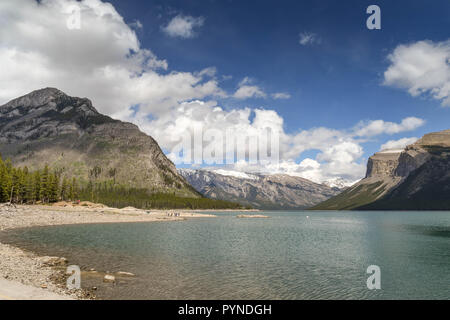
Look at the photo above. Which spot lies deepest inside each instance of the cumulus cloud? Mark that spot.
(340, 155)
(421, 68)
(183, 26)
(377, 127)
(398, 144)
(308, 38)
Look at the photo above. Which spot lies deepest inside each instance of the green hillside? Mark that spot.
(22, 186)
(353, 197)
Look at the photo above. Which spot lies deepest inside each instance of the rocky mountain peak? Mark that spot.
(34, 99)
(47, 112)
(44, 100)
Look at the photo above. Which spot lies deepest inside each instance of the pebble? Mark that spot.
(109, 278)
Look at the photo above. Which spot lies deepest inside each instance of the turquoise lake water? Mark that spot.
(288, 256)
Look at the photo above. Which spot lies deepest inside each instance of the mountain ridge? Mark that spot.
(262, 191)
(417, 177)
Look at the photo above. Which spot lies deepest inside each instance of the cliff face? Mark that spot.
(382, 164)
(414, 178)
(69, 134)
(259, 191)
(411, 159)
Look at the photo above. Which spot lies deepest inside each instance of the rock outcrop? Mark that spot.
(383, 164)
(416, 178)
(276, 191)
(441, 138)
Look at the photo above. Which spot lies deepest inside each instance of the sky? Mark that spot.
(335, 91)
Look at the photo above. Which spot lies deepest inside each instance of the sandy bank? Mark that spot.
(24, 271)
(31, 216)
(252, 216)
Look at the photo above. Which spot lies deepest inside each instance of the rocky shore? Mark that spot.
(48, 273)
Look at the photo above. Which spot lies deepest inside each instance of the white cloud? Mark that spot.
(183, 26)
(136, 24)
(281, 95)
(246, 81)
(340, 155)
(421, 68)
(308, 38)
(377, 127)
(247, 90)
(398, 144)
(309, 169)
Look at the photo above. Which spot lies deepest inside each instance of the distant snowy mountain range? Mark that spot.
(263, 191)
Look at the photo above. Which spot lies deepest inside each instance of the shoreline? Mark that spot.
(29, 271)
(24, 216)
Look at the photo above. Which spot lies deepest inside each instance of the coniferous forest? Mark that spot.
(23, 186)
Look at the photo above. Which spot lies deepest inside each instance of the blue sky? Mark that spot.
(311, 69)
(334, 83)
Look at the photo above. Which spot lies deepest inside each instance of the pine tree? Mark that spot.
(30, 191)
(53, 188)
(21, 185)
(4, 181)
(37, 186)
(76, 189)
(65, 189)
(15, 187)
(45, 185)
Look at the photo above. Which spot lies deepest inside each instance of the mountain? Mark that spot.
(416, 178)
(67, 133)
(276, 191)
(339, 183)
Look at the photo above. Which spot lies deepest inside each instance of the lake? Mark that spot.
(291, 255)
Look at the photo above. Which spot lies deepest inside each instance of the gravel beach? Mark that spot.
(48, 273)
